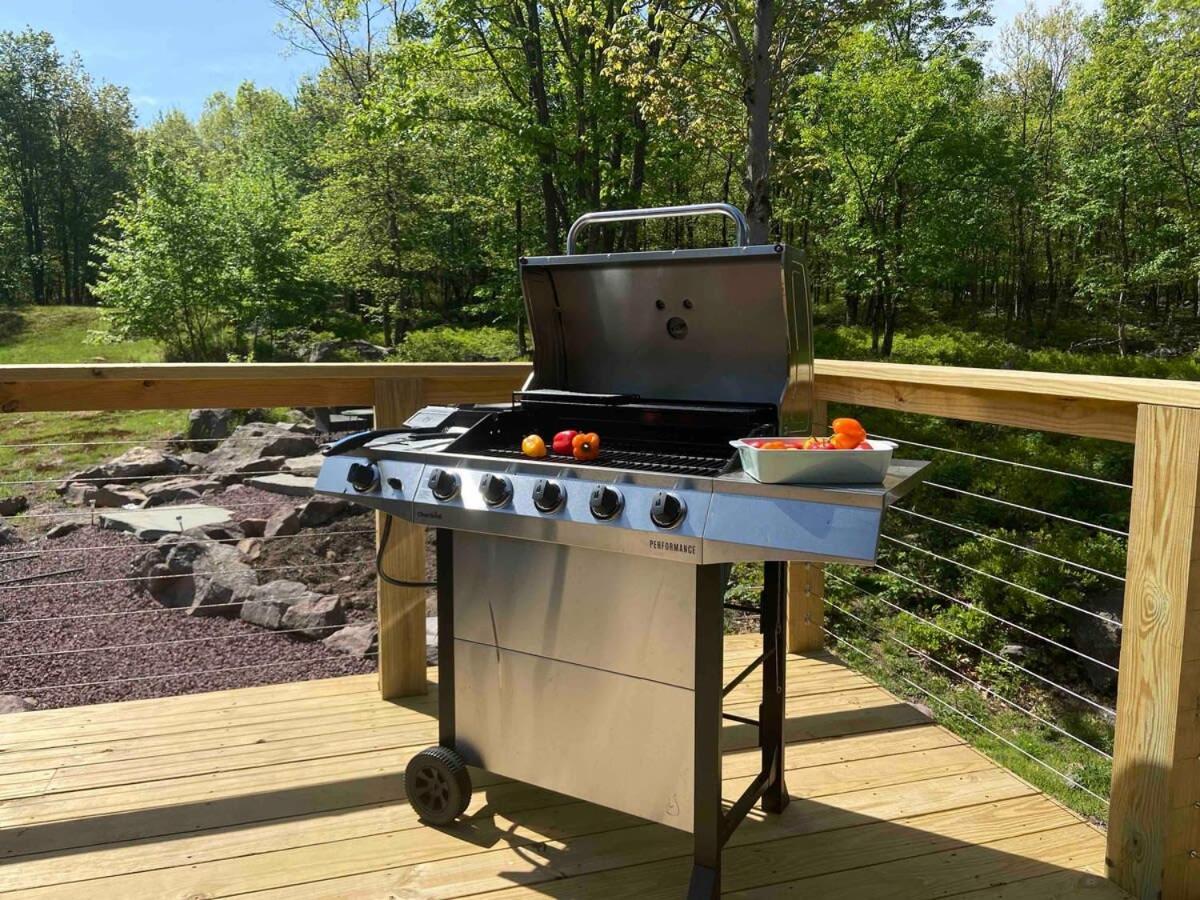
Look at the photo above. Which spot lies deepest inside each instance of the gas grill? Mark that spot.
(581, 603)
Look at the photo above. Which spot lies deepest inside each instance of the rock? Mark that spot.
(228, 532)
(1014, 651)
(240, 471)
(271, 601)
(210, 579)
(284, 483)
(11, 703)
(258, 447)
(250, 548)
(253, 528)
(133, 465)
(152, 524)
(172, 490)
(322, 511)
(62, 529)
(336, 349)
(13, 506)
(431, 640)
(206, 427)
(8, 535)
(315, 616)
(302, 420)
(1099, 638)
(282, 522)
(309, 466)
(108, 496)
(358, 641)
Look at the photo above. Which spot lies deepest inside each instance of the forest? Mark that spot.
(1041, 193)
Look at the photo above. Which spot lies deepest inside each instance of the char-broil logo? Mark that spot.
(429, 514)
(672, 546)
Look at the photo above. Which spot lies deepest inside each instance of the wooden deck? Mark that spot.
(297, 790)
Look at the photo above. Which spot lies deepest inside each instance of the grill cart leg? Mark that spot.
(713, 826)
(709, 822)
(772, 713)
(436, 780)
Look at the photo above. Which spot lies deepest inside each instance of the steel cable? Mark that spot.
(954, 709)
(1028, 509)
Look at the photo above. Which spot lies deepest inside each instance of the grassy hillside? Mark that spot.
(39, 448)
(58, 334)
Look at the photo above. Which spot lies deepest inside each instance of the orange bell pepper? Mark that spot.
(585, 446)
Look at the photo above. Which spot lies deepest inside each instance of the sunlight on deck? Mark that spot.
(297, 790)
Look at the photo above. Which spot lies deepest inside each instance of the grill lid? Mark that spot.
(725, 324)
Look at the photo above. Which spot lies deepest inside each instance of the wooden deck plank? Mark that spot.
(51, 868)
(296, 791)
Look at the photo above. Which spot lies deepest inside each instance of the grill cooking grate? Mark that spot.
(624, 457)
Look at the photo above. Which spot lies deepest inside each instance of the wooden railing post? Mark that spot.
(401, 610)
(806, 581)
(1154, 821)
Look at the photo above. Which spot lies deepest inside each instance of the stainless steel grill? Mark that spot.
(580, 603)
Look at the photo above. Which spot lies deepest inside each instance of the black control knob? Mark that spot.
(548, 495)
(363, 477)
(496, 489)
(667, 510)
(443, 484)
(605, 502)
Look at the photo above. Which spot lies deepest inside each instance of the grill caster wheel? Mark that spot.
(438, 785)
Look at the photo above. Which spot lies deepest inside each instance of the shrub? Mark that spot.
(449, 344)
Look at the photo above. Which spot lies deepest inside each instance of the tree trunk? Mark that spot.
(758, 105)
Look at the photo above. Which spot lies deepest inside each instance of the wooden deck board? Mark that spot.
(296, 791)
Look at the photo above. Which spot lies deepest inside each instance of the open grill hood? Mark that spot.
(729, 324)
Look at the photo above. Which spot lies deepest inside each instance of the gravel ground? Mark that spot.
(108, 611)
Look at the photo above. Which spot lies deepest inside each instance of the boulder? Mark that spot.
(187, 571)
(272, 600)
(322, 511)
(250, 548)
(172, 490)
(11, 703)
(228, 532)
(107, 496)
(308, 466)
(258, 447)
(14, 505)
(62, 529)
(133, 465)
(206, 427)
(315, 616)
(358, 641)
(1099, 638)
(284, 483)
(8, 535)
(282, 522)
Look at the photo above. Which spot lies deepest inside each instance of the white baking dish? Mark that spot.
(815, 466)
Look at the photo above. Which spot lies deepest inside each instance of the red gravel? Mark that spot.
(31, 667)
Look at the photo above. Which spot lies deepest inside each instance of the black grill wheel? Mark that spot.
(438, 785)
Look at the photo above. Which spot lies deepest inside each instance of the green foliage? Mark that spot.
(448, 344)
(39, 335)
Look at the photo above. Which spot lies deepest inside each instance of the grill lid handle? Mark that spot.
(661, 212)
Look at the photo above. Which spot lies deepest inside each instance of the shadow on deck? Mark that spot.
(297, 790)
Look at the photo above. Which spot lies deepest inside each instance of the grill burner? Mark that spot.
(623, 456)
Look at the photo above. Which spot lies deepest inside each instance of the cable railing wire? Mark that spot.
(1028, 509)
(954, 709)
(1031, 591)
(991, 615)
(247, 635)
(136, 578)
(991, 653)
(1008, 462)
(979, 686)
(134, 678)
(1015, 546)
(48, 551)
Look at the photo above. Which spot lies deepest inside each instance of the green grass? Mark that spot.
(58, 334)
(39, 335)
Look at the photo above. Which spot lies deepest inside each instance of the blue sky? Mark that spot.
(174, 53)
(169, 53)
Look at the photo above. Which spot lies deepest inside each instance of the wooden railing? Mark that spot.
(1154, 822)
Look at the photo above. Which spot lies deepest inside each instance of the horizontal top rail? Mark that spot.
(1098, 406)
